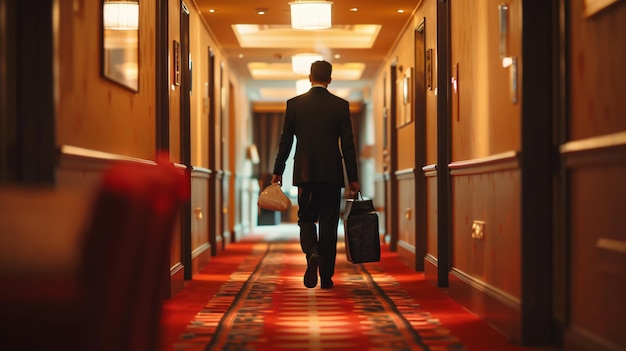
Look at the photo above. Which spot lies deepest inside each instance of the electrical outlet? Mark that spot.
(478, 230)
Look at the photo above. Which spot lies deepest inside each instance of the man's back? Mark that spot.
(318, 119)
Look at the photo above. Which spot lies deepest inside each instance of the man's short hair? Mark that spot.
(321, 71)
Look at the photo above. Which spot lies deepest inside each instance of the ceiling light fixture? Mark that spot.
(121, 15)
(301, 63)
(310, 14)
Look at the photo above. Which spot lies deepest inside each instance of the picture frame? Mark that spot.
(120, 43)
(429, 69)
(176, 62)
(406, 87)
(406, 98)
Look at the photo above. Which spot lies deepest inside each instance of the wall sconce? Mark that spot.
(310, 14)
(252, 154)
(509, 62)
(121, 15)
(301, 63)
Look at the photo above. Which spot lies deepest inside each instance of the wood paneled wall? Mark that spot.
(406, 217)
(96, 114)
(486, 189)
(485, 138)
(80, 170)
(200, 243)
(594, 156)
(486, 274)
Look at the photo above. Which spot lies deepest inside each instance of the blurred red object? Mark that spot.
(113, 300)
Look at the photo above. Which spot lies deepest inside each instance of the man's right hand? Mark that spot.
(277, 179)
(355, 188)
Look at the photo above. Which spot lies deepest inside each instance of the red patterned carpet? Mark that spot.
(252, 298)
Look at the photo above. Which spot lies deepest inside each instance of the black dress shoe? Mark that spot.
(327, 284)
(310, 276)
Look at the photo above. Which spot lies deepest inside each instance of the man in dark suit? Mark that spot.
(320, 121)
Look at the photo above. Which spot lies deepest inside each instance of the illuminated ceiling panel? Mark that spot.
(360, 36)
(282, 94)
(283, 71)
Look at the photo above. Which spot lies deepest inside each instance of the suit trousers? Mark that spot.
(319, 202)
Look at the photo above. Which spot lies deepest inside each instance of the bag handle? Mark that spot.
(358, 197)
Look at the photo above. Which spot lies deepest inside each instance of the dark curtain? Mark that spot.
(267, 127)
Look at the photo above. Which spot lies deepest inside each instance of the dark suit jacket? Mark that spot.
(320, 121)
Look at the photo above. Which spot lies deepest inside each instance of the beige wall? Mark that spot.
(200, 41)
(404, 54)
(93, 112)
(488, 123)
(173, 19)
(428, 10)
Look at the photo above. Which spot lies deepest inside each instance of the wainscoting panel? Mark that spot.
(379, 204)
(430, 259)
(81, 170)
(597, 273)
(216, 219)
(406, 217)
(486, 237)
(200, 245)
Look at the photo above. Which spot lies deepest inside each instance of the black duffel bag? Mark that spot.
(362, 238)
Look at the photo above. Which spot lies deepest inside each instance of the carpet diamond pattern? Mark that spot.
(264, 306)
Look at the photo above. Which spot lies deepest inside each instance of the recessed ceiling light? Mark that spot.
(211, 10)
(240, 56)
(337, 56)
(354, 9)
(401, 11)
(260, 11)
(311, 14)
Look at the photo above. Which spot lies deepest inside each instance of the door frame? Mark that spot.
(444, 139)
(185, 134)
(419, 123)
(28, 138)
(538, 169)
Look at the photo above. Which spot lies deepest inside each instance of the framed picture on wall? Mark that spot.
(594, 6)
(429, 69)
(120, 43)
(176, 68)
(407, 97)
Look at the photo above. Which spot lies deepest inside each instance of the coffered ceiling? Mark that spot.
(260, 46)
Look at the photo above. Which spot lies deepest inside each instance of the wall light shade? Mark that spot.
(310, 14)
(121, 15)
(301, 63)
